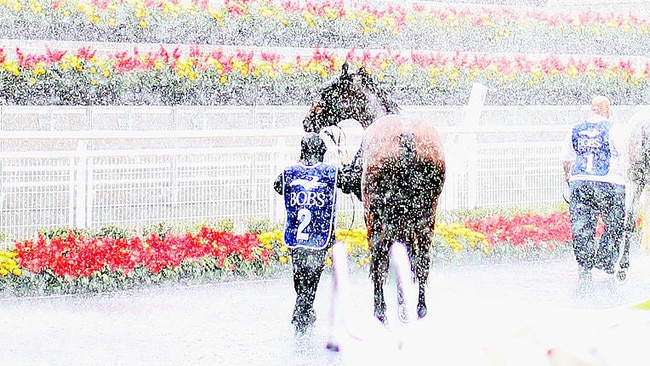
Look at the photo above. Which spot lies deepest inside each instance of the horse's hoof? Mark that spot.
(403, 313)
(333, 347)
(381, 318)
(422, 311)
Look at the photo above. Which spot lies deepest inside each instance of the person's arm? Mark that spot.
(350, 176)
(567, 156)
(278, 185)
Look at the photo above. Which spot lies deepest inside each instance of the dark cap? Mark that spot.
(312, 147)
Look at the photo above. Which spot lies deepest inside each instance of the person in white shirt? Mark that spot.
(594, 167)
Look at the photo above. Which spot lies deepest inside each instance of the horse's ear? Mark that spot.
(344, 69)
(362, 71)
(361, 75)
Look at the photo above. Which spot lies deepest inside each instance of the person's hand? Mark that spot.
(567, 170)
(345, 158)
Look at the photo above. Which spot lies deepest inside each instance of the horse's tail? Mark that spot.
(407, 147)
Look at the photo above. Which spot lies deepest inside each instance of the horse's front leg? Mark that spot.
(380, 302)
(422, 306)
(379, 267)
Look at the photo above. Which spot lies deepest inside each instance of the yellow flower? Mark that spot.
(8, 264)
(309, 18)
(39, 69)
(536, 72)
(265, 11)
(405, 69)
(35, 6)
(71, 62)
(11, 67)
(8, 254)
(453, 73)
(15, 5)
(283, 259)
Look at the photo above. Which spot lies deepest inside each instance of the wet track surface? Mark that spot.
(248, 322)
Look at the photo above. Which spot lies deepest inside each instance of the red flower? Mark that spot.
(84, 53)
(524, 229)
(77, 256)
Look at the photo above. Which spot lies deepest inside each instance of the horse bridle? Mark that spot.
(336, 141)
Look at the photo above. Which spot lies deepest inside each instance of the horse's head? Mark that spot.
(350, 96)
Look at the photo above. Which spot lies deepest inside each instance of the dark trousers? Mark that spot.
(589, 201)
(308, 266)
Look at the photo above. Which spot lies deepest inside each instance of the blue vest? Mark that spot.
(591, 144)
(310, 200)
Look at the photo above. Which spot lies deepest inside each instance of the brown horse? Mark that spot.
(638, 176)
(401, 170)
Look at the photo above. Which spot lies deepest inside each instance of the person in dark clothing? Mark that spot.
(309, 190)
(593, 160)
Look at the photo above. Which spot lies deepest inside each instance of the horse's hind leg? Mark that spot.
(422, 262)
(379, 278)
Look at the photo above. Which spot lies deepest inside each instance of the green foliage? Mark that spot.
(225, 225)
(160, 228)
(259, 225)
(349, 221)
(114, 232)
(462, 215)
(62, 232)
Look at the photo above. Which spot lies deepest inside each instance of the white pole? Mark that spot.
(82, 185)
(469, 141)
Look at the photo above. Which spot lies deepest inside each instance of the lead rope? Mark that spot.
(337, 143)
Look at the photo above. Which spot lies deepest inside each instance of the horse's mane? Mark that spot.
(386, 100)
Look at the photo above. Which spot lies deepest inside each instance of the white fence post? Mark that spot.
(277, 204)
(471, 123)
(81, 209)
(2, 195)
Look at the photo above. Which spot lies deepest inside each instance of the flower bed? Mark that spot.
(169, 77)
(327, 24)
(76, 263)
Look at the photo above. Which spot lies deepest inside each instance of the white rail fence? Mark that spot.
(133, 167)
